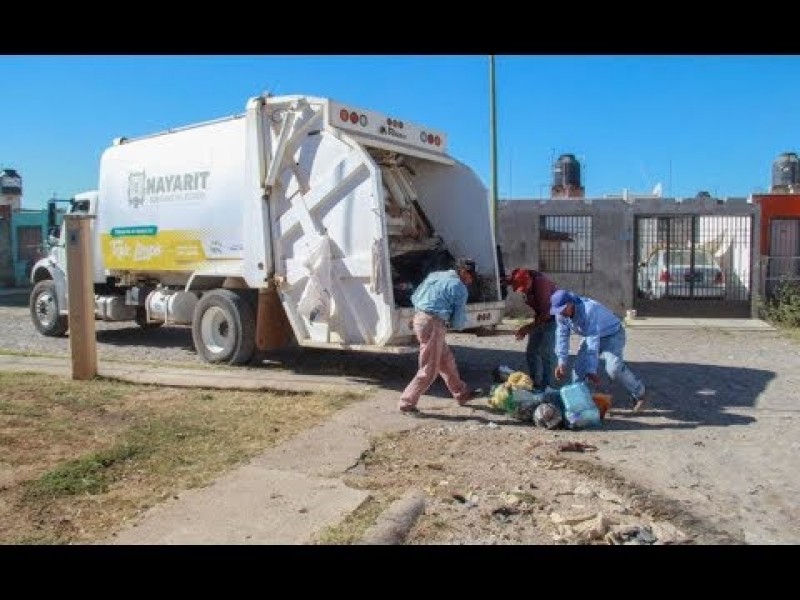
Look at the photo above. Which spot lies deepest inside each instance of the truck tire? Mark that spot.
(224, 328)
(45, 310)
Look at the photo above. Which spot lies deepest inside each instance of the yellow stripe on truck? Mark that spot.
(173, 250)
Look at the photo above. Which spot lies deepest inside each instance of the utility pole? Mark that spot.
(493, 136)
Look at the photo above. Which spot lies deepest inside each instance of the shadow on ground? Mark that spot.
(682, 395)
(133, 335)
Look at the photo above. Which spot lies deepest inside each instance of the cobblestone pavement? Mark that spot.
(721, 436)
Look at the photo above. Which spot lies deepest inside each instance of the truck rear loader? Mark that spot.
(301, 221)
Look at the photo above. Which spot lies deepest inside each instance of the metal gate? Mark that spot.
(694, 266)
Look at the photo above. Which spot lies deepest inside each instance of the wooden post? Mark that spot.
(80, 296)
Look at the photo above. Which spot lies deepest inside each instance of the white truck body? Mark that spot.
(339, 210)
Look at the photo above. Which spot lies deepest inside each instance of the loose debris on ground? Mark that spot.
(504, 482)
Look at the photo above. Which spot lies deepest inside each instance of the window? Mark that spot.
(565, 244)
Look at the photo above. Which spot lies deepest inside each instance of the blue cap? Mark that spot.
(559, 300)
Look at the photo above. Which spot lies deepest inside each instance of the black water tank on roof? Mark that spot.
(10, 182)
(786, 170)
(567, 171)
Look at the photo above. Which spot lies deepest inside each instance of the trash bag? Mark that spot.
(547, 415)
(603, 402)
(524, 404)
(580, 411)
(500, 396)
(520, 380)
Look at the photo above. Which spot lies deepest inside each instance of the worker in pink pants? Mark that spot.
(439, 301)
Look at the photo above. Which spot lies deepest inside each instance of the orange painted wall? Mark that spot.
(775, 206)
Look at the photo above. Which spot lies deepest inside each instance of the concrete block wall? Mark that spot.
(612, 277)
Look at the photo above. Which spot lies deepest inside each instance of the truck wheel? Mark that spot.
(224, 328)
(141, 320)
(45, 310)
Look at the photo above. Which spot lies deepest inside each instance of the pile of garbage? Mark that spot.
(572, 406)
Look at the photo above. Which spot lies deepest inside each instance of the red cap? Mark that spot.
(520, 280)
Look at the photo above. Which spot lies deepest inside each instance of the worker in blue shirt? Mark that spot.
(439, 302)
(604, 337)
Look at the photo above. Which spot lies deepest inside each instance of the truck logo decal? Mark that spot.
(163, 189)
(136, 189)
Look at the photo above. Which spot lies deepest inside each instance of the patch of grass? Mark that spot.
(10, 408)
(355, 525)
(78, 398)
(88, 475)
(82, 457)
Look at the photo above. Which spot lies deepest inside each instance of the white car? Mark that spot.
(669, 273)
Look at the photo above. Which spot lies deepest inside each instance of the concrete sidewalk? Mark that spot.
(755, 325)
(241, 378)
(284, 496)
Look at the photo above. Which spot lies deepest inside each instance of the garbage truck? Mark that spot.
(303, 221)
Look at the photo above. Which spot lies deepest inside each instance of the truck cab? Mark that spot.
(48, 300)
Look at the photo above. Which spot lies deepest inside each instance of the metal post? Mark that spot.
(80, 295)
(493, 136)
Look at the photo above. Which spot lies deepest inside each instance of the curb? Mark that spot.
(395, 523)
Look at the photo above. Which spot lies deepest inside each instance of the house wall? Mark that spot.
(775, 206)
(25, 218)
(612, 276)
(785, 264)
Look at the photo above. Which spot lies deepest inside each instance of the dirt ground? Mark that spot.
(714, 460)
(506, 482)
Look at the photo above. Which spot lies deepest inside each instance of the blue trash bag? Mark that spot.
(580, 411)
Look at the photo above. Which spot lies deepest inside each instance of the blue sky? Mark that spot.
(693, 123)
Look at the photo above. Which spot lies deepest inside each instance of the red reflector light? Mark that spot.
(437, 140)
(344, 114)
(354, 117)
(430, 138)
